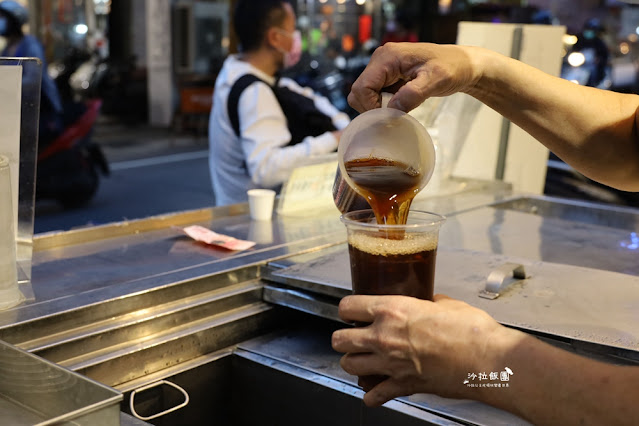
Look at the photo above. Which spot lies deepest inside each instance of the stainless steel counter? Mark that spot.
(130, 303)
(550, 230)
(86, 266)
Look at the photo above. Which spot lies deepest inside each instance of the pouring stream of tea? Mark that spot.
(388, 186)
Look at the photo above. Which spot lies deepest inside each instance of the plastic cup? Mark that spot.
(393, 259)
(261, 203)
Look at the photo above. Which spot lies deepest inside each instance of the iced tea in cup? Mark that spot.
(393, 259)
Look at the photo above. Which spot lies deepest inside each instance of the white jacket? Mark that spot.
(261, 157)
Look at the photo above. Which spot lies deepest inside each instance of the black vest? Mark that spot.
(303, 119)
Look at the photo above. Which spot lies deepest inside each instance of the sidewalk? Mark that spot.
(124, 143)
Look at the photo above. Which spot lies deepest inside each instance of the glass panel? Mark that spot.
(26, 162)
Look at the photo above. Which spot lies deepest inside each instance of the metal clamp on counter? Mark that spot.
(498, 280)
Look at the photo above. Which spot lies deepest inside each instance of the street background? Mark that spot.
(153, 63)
(153, 171)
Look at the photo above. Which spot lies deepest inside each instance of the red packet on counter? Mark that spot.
(200, 233)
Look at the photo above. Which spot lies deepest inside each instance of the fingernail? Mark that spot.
(335, 339)
(396, 103)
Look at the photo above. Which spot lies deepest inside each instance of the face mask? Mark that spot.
(4, 26)
(292, 57)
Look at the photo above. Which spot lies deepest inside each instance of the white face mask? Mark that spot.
(292, 57)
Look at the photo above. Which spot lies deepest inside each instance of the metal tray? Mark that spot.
(34, 391)
(591, 307)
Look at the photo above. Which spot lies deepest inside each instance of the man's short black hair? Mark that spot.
(253, 18)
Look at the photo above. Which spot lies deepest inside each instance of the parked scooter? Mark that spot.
(69, 165)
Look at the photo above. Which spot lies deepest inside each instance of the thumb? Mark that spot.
(409, 96)
(428, 81)
(413, 93)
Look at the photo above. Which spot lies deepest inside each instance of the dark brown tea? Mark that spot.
(389, 187)
(388, 266)
(389, 261)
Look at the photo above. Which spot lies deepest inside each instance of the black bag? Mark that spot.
(302, 116)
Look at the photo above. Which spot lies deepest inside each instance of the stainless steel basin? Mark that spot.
(245, 388)
(288, 377)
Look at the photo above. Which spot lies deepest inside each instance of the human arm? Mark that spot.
(593, 130)
(431, 347)
(265, 138)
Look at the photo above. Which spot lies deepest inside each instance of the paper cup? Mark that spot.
(261, 203)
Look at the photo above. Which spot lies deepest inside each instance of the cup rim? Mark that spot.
(438, 220)
(260, 192)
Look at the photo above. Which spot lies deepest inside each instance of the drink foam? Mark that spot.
(382, 246)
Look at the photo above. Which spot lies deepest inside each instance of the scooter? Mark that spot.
(69, 165)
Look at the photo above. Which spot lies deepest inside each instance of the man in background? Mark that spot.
(262, 127)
